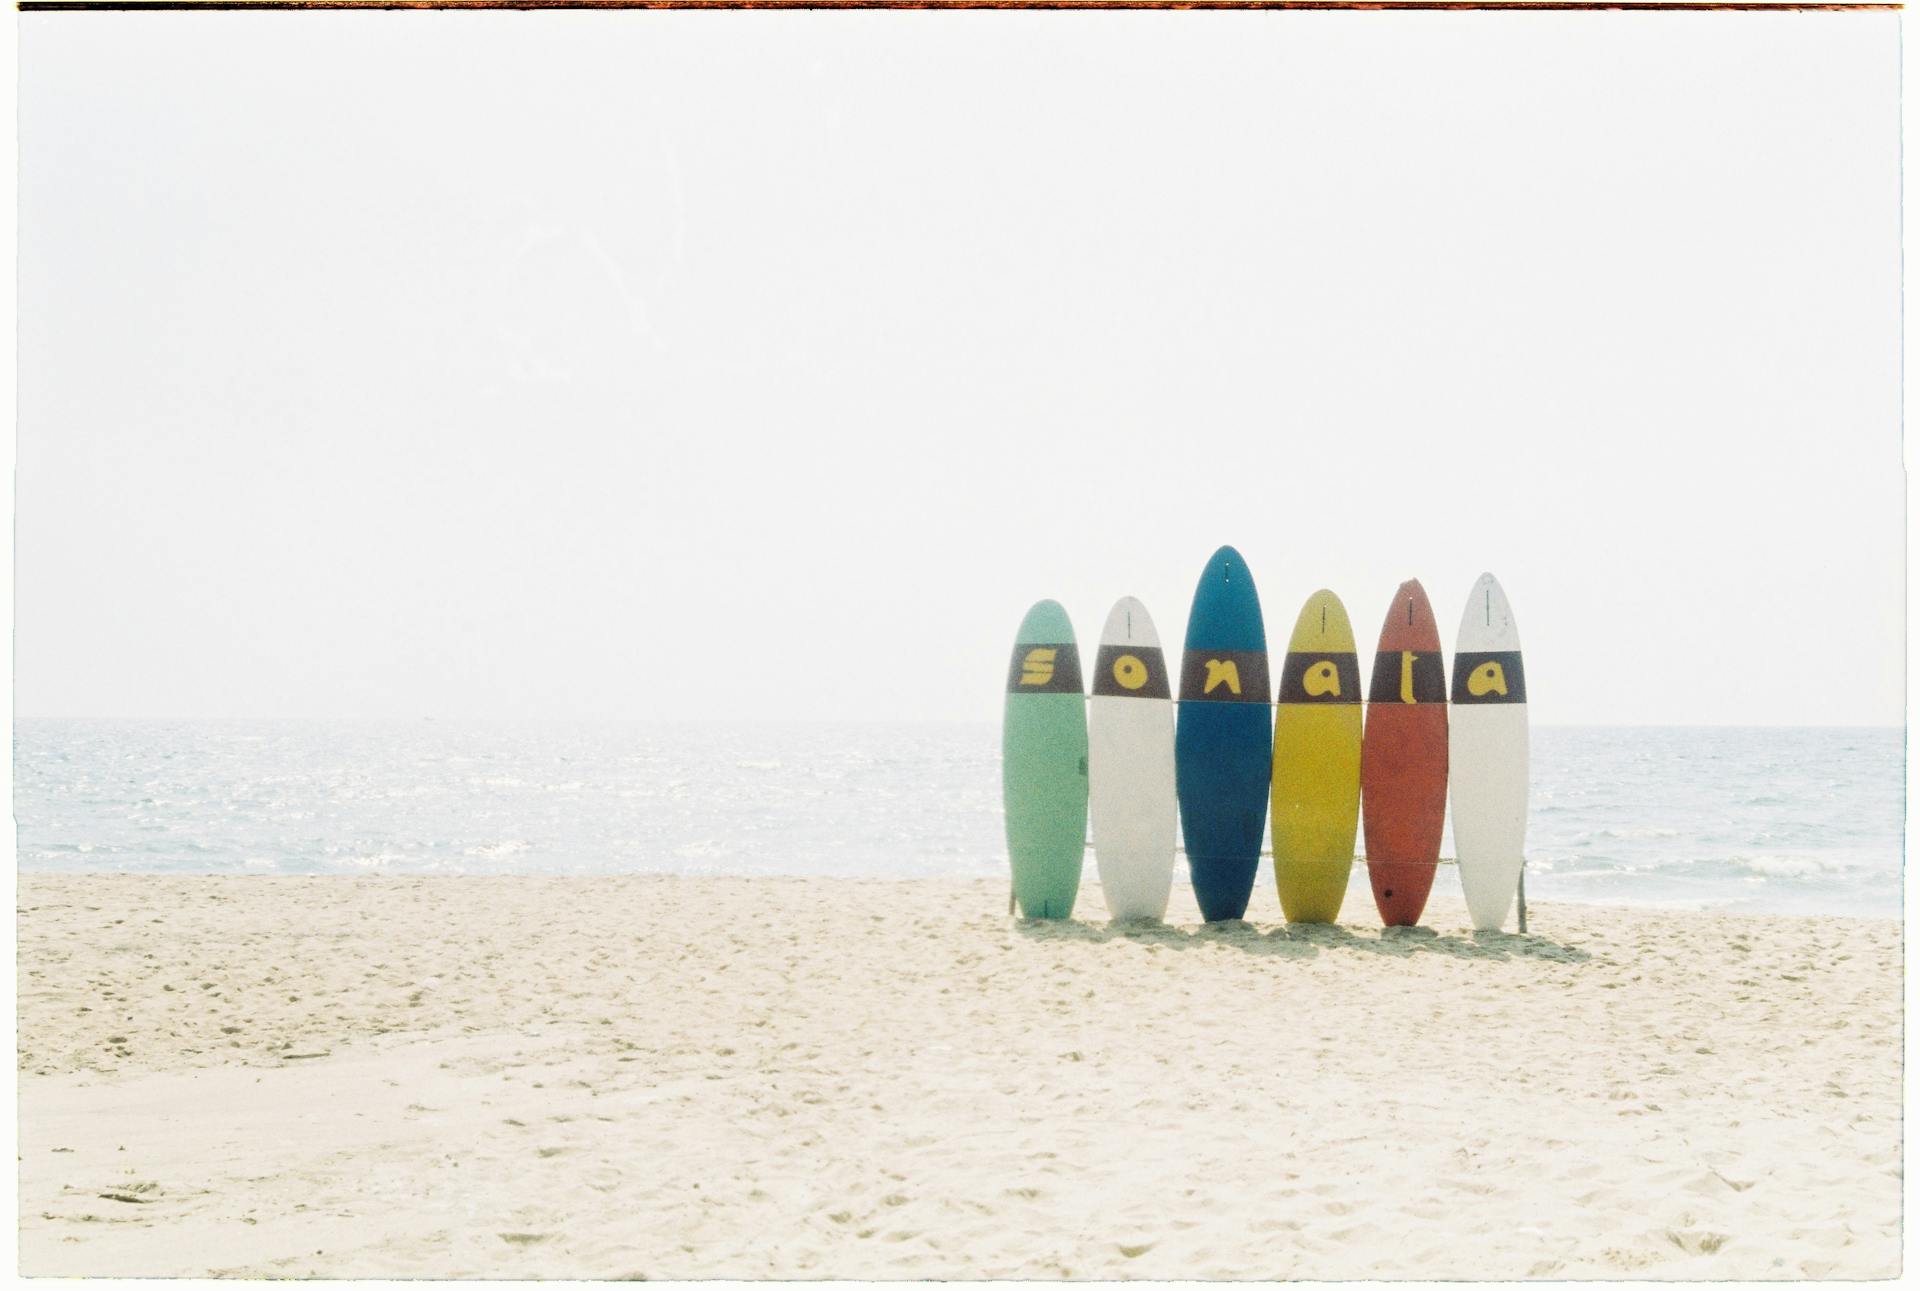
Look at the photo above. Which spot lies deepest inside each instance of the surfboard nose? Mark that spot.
(1410, 624)
(1226, 564)
(1226, 606)
(1046, 621)
(1486, 621)
(1322, 624)
(1128, 622)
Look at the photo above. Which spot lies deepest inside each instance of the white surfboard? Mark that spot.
(1130, 784)
(1487, 754)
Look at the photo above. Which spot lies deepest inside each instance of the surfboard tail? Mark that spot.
(1400, 890)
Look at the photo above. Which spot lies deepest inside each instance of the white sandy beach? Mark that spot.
(621, 1077)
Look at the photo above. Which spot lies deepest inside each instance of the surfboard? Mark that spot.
(1043, 764)
(1403, 759)
(1316, 763)
(1223, 741)
(1487, 754)
(1130, 765)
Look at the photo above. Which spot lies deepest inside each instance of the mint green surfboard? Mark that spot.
(1043, 764)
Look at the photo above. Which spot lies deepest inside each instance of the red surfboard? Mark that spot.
(1403, 758)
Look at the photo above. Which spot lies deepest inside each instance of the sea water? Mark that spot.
(1760, 819)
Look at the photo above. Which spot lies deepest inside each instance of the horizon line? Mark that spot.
(1368, 6)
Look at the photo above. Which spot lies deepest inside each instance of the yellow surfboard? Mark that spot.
(1316, 763)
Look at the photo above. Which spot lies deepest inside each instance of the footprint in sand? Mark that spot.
(136, 1194)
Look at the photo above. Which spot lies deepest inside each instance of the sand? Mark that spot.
(657, 1077)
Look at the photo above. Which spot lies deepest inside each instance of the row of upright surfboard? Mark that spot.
(1321, 766)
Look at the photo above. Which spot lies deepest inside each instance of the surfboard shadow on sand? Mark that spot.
(1305, 940)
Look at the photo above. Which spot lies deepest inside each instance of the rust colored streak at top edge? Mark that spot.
(1371, 6)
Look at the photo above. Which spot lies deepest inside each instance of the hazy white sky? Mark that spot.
(734, 365)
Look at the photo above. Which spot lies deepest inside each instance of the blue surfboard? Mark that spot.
(1223, 745)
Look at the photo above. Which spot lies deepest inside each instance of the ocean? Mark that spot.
(1772, 819)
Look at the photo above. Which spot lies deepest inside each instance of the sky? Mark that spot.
(734, 366)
